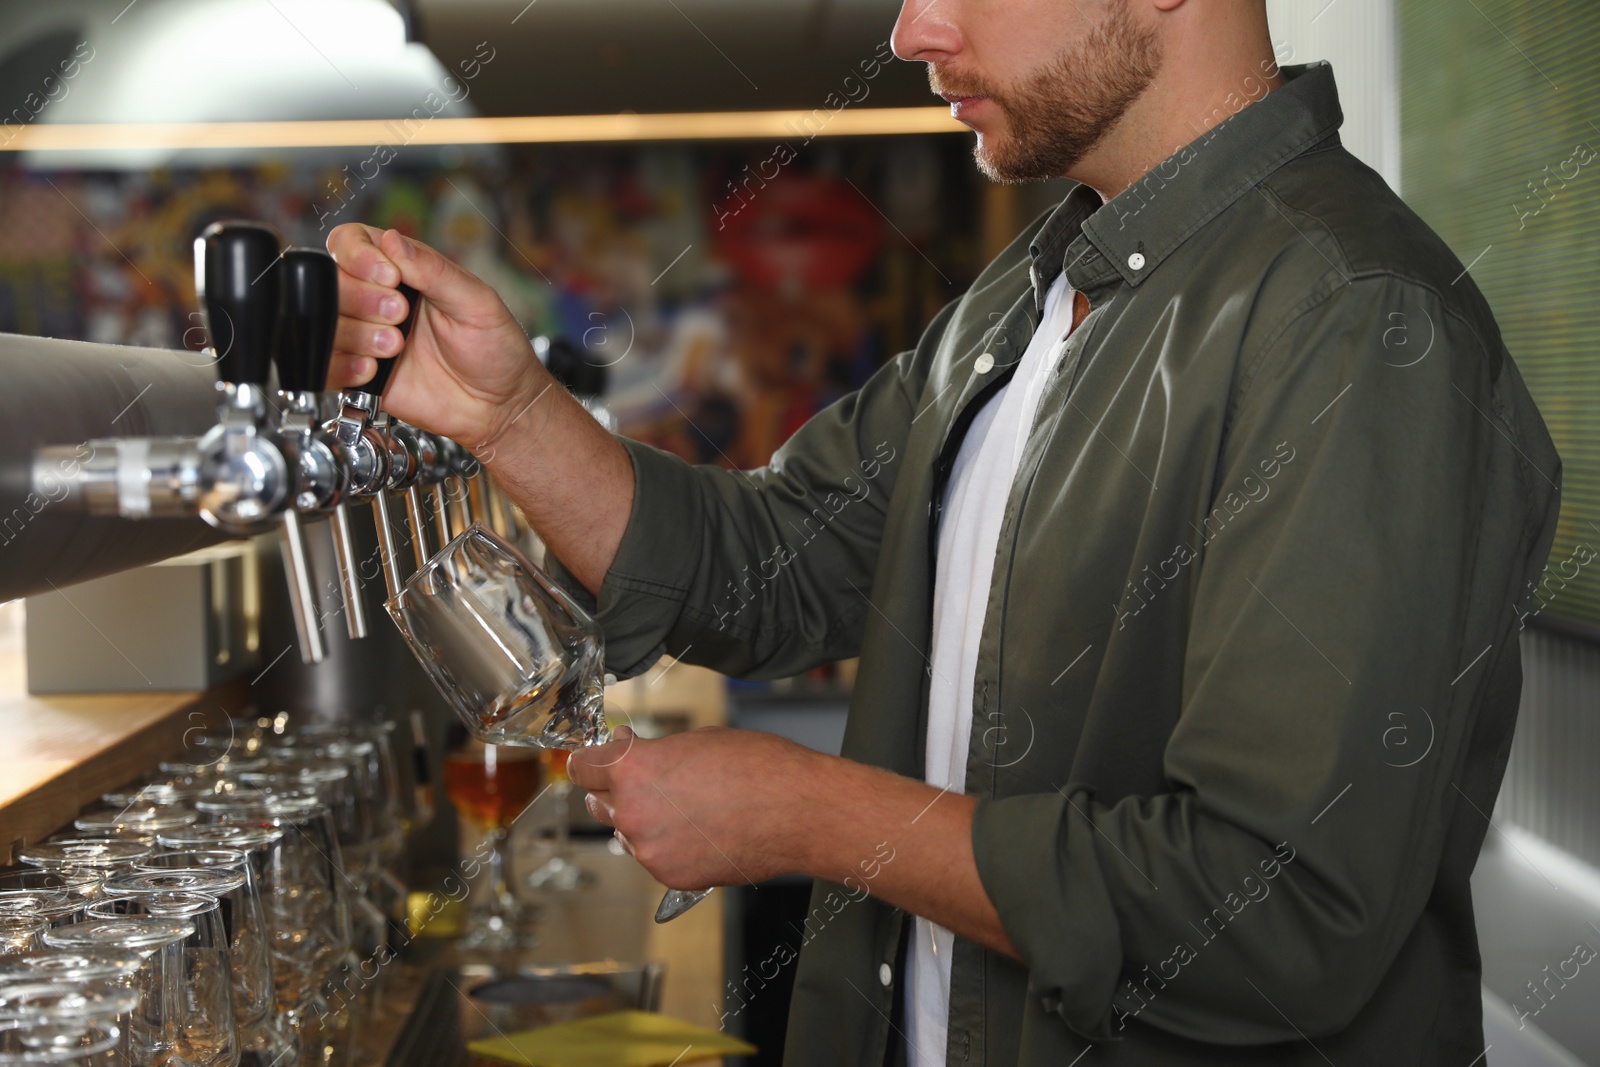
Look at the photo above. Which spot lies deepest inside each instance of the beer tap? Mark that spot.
(371, 452)
(419, 467)
(460, 467)
(237, 271)
(243, 478)
(235, 476)
(319, 481)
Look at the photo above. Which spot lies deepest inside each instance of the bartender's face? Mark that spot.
(1040, 81)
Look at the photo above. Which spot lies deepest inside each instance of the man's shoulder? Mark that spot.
(1342, 222)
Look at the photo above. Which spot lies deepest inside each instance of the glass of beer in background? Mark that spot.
(491, 785)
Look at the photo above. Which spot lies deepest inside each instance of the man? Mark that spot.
(1181, 555)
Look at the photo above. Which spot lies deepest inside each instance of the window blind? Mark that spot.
(1500, 153)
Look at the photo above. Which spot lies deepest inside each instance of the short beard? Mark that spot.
(1057, 116)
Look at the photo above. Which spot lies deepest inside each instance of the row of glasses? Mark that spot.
(268, 813)
(192, 920)
(64, 877)
(145, 1030)
(195, 921)
(182, 915)
(305, 892)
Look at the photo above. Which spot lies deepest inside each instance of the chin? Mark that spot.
(987, 152)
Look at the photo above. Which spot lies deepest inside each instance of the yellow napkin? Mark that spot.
(616, 1039)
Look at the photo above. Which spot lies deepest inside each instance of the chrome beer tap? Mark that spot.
(371, 452)
(462, 479)
(242, 477)
(236, 476)
(240, 286)
(420, 467)
(319, 479)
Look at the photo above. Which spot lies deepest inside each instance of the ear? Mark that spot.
(1167, 5)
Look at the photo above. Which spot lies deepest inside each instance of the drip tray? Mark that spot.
(464, 1003)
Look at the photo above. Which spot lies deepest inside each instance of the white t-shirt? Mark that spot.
(969, 533)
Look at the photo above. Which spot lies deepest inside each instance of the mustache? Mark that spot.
(954, 84)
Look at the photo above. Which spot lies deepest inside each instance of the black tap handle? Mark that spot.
(380, 379)
(238, 283)
(309, 319)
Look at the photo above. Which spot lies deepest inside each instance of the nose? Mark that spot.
(926, 31)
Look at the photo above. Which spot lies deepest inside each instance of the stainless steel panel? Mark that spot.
(67, 392)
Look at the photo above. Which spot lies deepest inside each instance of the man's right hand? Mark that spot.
(468, 369)
(470, 374)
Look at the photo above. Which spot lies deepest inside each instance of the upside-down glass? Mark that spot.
(140, 936)
(517, 659)
(368, 749)
(248, 946)
(305, 889)
(145, 822)
(21, 923)
(63, 892)
(112, 968)
(294, 772)
(85, 854)
(60, 1022)
(255, 843)
(104, 977)
(185, 1016)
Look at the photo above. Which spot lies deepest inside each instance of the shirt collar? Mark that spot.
(1133, 233)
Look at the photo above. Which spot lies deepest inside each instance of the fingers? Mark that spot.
(599, 806)
(366, 338)
(354, 246)
(447, 286)
(590, 768)
(348, 370)
(369, 306)
(368, 302)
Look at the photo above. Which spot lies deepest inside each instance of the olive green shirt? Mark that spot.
(1249, 668)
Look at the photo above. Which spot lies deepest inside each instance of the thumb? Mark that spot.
(448, 287)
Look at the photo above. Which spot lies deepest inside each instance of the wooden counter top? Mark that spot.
(58, 754)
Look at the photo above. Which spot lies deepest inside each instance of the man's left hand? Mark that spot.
(705, 808)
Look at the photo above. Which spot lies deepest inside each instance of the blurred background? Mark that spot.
(740, 210)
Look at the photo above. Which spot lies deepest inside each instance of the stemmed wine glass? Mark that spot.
(517, 659)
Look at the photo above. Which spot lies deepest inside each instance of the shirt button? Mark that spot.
(984, 363)
(885, 974)
(1136, 261)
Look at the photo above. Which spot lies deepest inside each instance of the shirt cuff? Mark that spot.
(643, 593)
(1037, 859)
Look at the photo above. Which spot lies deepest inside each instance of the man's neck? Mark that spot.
(1183, 104)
